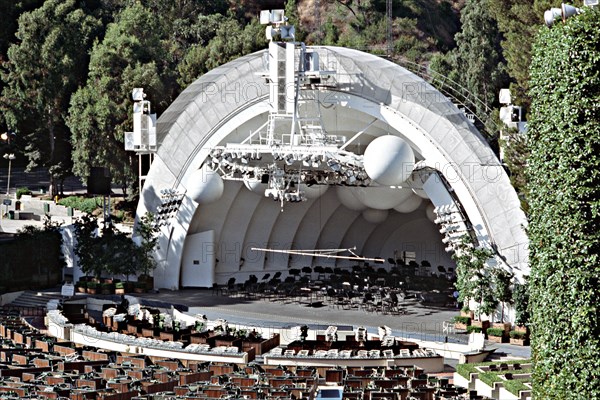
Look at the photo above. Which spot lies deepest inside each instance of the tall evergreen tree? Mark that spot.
(475, 69)
(132, 54)
(10, 11)
(479, 58)
(519, 21)
(44, 67)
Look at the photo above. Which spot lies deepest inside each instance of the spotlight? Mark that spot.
(289, 159)
(315, 161)
(334, 165)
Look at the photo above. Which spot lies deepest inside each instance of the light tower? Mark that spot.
(9, 157)
(143, 138)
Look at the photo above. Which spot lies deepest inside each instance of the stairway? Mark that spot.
(35, 299)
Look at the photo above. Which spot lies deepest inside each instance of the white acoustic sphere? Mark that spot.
(410, 204)
(417, 178)
(314, 191)
(389, 160)
(430, 213)
(255, 185)
(375, 216)
(205, 186)
(350, 201)
(381, 197)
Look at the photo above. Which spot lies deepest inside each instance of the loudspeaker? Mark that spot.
(568, 11)
(551, 14)
(565, 11)
(99, 181)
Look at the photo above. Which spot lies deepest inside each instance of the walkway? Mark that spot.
(419, 323)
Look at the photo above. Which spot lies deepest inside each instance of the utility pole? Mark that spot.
(390, 44)
(318, 19)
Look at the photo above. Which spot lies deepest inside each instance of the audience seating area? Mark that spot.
(34, 365)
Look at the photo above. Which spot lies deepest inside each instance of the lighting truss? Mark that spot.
(320, 165)
(324, 253)
(292, 147)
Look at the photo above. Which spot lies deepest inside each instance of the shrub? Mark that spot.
(473, 329)
(23, 191)
(87, 205)
(92, 285)
(514, 386)
(489, 378)
(462, 320)
(495, 332)
(564, 191)
(465, 370)
(517, 335)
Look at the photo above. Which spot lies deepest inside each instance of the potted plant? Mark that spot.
(495, 335)
(467, 312)
(140, 287)
(473, 329)
(106, 288)
(81, 286)
(91, 287)
(519, 338)
(119, 288)
(461, 322)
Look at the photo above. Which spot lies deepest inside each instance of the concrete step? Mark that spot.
(30, 298)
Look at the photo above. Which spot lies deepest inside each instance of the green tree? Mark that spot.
(146, 230)
(331, 33)
(34, 259)
(521, 301)
(564, 213)
(132, 54)
(518, 21)
(43, 69)
(10, 11)
(230, 42)
(479, 62)
(502, 282)
(109, 251)
(473, 280)
(291, 13)
(516, 153)
(86, 231)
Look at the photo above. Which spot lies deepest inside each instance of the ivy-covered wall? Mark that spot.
(564, 198)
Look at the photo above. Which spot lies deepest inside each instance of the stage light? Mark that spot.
(289, 159)
(334, 165)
